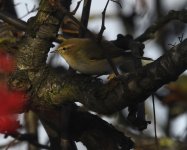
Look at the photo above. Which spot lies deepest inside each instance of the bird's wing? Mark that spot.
(92, 50)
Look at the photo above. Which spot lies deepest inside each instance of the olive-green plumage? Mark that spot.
(88, 57)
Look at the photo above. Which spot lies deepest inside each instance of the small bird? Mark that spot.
(88, 57)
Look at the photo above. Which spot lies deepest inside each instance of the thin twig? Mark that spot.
(4, 145)
(100, 35)
(29, 11)
(27, 7)
(10, 144)
(99, 39)
(181, 37)
(28, 138)
(154, 114)
(85, 16)
(115, 1)
(76, 8)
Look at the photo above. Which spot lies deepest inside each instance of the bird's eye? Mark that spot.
(64, 48)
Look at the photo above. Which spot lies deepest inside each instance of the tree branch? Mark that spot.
(29, 138)
(172, 15)
(76, 8)
(85, 16)
(75, 124)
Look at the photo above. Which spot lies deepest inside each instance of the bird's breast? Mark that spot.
(87, 66)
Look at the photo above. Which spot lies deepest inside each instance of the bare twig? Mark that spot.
(99, 38)
(76, 8)
(27, 7)
(117, 2)
(154, 114)
(103, 19)
(29, 11)
(10, 144)
(181, 37)
(28, 138)
(100, 35)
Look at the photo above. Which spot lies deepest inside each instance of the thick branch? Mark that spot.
(136, 87)
(92, 131)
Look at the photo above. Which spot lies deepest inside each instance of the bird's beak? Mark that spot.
(55, 51)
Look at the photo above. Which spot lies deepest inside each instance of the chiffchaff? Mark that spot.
(88, 57)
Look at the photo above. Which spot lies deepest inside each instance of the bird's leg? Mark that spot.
(71, 71)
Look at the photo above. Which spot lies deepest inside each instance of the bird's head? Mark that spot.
(65, 48)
